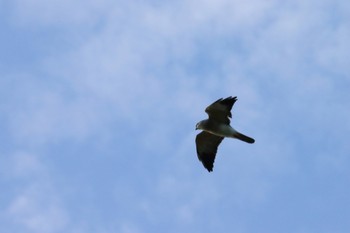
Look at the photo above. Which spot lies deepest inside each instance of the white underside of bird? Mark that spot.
(222, 130)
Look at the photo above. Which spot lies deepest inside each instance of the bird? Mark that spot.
(215, 129)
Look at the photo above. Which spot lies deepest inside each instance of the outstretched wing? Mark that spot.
(207, 146)
(220, 110)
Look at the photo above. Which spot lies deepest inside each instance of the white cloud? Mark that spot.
(118, 65)
(23, 164)
(45, 115)
(331, 54)
(30, 211)
(35, 204)
(142, 62)
(129, 228)
(58, 13)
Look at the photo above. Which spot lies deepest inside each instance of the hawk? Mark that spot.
(215, 129)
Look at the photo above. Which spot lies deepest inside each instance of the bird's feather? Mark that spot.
(220, 110)
(207, 146)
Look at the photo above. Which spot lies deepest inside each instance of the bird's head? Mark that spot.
(199, 125)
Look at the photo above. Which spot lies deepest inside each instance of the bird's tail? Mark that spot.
(243, 137)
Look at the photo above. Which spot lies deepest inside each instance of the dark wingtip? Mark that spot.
(209, 167)
(229, 101)
(208, 161)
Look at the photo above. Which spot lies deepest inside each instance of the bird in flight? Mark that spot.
(215, 129)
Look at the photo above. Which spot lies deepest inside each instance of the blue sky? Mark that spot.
(99, 101)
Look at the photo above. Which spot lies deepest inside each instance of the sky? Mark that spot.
(99, 100)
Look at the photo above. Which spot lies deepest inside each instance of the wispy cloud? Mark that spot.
(35, 205)
(107, 113)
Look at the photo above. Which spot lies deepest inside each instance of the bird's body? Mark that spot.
(215, 129)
